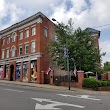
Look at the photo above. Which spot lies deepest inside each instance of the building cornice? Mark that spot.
(37, 18)
(21, 58)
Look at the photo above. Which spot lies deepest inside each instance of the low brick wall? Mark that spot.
(72, 84)
(77, 84)
(103, 88)
(105, 76)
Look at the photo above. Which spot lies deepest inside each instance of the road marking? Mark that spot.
(81, 96)
(52, 104)
(14, 90)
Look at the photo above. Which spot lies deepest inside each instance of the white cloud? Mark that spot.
(2, 8)
(16, 10)
(34, 6)
(105, 47)
(87, 15)
(9, 14)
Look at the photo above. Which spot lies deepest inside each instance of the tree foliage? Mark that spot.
(81, 48)
(106, 67)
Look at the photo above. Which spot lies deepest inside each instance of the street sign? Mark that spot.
(52, 104)
(81, 96)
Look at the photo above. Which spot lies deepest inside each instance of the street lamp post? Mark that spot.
(66, 55)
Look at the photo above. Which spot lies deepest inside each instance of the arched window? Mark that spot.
(13, 48)
(14, 36)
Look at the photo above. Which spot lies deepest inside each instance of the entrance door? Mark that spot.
(11, 72)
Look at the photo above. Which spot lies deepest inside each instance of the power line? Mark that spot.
(101, 26)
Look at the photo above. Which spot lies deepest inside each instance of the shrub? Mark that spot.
(90, 82)
(99, 84)
(104, 83)
(108, 83)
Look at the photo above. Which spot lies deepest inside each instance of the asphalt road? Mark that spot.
(16, 97)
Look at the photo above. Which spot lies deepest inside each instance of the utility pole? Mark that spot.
(67, 56)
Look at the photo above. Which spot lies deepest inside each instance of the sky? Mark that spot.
(84, 13)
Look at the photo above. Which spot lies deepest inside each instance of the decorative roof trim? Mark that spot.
(93, 32)
(21, 58)
(37, 17)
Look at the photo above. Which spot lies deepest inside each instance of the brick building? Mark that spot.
(95, 34)
(23, 49)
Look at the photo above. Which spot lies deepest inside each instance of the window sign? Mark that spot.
(34, 70)
(18, 68)
(7, 72)
(25, 71)
(1, 72)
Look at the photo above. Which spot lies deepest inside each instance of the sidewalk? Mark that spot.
(53, 87)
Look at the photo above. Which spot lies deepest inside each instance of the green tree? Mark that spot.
(106, 67)
(80, 48)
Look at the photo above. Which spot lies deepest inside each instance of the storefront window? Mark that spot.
(25, 71)
(34, 70)
(1, 72)
(7, 72)
(18, 69)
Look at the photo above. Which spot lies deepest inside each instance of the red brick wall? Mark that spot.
(108, 75)
(17, 42)
(44, 41)
(96, 41)
(0, 48)
(103, 76)
(43, 62)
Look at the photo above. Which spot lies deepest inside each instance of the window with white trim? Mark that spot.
(20, 49)
(3, 42)
(45, 32)
(8, 40)
(2, 54)
(21, 35)
(13, 37)
(33, 31)
(13, 51)
(33, 46)
(7, 53)
(27, 33)
(26, 48)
